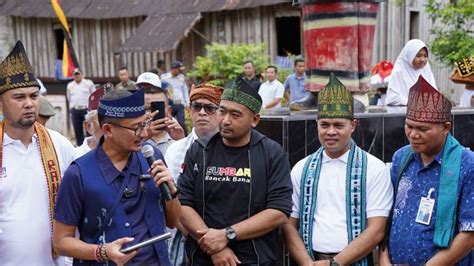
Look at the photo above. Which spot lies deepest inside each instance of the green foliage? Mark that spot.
(225, 62)
(453, 29)
(399, 2)
(283, 73)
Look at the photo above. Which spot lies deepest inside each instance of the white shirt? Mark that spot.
(84, 148)
(180, 88)
(329, 227)
(176, 152)
(25, 230)
(43, 89)
(271, 90)
(174, 158)
(78, 93)
(466, 98)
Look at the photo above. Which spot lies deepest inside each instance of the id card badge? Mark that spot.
(425, 210)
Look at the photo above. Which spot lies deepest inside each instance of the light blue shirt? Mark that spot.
(296, 87)
(180, 88)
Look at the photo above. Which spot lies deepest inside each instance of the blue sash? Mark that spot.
(356, 216)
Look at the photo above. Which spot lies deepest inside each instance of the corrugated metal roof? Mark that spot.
(160, 33)
(104, 9)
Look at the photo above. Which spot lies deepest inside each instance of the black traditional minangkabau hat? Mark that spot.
(16, 70)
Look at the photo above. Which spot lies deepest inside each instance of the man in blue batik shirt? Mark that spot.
(433, 178)
(104, 197)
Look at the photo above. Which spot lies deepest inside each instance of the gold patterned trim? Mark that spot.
(16, 85)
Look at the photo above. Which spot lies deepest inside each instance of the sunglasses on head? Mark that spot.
(208, 108)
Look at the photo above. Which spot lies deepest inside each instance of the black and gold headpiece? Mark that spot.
(335, 101)
(16, 71)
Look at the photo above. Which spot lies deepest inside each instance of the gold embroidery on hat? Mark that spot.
(16, 71)
(428, 106)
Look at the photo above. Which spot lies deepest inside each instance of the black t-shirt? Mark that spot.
(254, 82)
(227, 191)
(270, 186)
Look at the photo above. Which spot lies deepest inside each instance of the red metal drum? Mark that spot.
(338, 37)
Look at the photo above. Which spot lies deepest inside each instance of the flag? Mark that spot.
(69, 59)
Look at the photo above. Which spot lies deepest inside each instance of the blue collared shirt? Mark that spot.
(69, 202)
(296, 87)
(412, 242)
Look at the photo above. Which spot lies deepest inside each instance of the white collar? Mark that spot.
(8, 140)
(193, 134)
(343, 158)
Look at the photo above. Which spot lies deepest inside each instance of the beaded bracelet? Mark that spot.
(97, 254)
(103, 252)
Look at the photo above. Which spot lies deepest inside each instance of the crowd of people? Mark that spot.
(225, 191)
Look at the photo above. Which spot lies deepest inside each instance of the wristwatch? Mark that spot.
(230, 234)
(175, 194)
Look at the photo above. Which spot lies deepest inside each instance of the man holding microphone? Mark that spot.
(107, 196)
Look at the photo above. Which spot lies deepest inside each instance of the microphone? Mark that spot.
(148, 152)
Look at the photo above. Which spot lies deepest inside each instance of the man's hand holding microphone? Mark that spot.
(161, 174)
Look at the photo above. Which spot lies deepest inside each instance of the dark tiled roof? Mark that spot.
(167, 22)
(160, 33)
(104, 9)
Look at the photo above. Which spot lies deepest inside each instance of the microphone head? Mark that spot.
(147, 151)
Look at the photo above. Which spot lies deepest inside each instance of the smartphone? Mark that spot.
(146, 242)
(158, 105)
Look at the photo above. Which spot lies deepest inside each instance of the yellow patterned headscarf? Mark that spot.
(206, 91)
(16, 71)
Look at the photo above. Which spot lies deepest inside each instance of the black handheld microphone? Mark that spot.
(148, 152)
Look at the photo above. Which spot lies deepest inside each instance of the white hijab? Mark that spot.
(404, 75)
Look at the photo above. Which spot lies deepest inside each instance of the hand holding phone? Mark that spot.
(160, 106)
(146, 242)
(113, 251)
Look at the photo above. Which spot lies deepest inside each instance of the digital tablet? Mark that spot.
(146, 242)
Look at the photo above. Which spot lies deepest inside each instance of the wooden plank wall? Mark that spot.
(95, 42)
(393, 31)
(256, 25)
(6, 36)
(37, 36)
(99, 39)
(102, 38)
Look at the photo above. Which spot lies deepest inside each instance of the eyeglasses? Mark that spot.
(208, 108)
(139, 130)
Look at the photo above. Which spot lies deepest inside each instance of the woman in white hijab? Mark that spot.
(411, 63)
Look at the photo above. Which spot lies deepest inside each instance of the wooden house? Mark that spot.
(109, 34)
